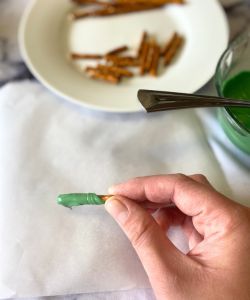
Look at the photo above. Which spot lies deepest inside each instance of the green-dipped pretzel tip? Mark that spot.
(70, 200)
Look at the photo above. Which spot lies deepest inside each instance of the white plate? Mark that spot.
(46, 36)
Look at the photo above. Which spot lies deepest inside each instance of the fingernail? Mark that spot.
(117, 210)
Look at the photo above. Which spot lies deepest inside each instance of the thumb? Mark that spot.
(159, 257)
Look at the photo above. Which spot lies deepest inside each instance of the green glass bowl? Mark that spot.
(233, 61)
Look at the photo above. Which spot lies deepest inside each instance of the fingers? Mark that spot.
(192, 197)
(189, 195)
(157, 254)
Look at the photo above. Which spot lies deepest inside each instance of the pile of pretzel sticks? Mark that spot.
(115, 65)
(93, 8)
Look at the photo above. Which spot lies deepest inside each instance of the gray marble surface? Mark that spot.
(11, 65)
(13, 68)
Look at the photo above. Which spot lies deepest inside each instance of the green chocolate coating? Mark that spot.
(238, 87)
(236, 122)
(69, 200)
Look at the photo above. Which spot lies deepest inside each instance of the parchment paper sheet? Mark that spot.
(49, 147)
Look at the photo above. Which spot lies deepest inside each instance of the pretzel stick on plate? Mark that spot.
(110, 10)
(173, 49)
(97, 74)
(155, 61)
(123, 61)
(143, 58)
(117, 50)
(107, 8)
(149, 59)
(114, 2)
(141, 46)
(85, 56)
(115, 70)
(151, 2)
(169, 43)
(87, 2)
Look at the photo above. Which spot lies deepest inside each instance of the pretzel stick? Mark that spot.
(117, 50)
(112, 10)
(169, 44)
(152, 2)
(81, 2)
(115, 70)
(134, 5)
(85, 56)
(143, 58)
(123, 61)
(119, 7)
(97, 74)
(143, 40)
(114, 57)
(155, 61)
(169, 55)
(150, 54)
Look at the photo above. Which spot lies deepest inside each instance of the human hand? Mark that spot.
(218, 230)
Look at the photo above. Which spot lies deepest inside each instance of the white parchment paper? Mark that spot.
(50, 147)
